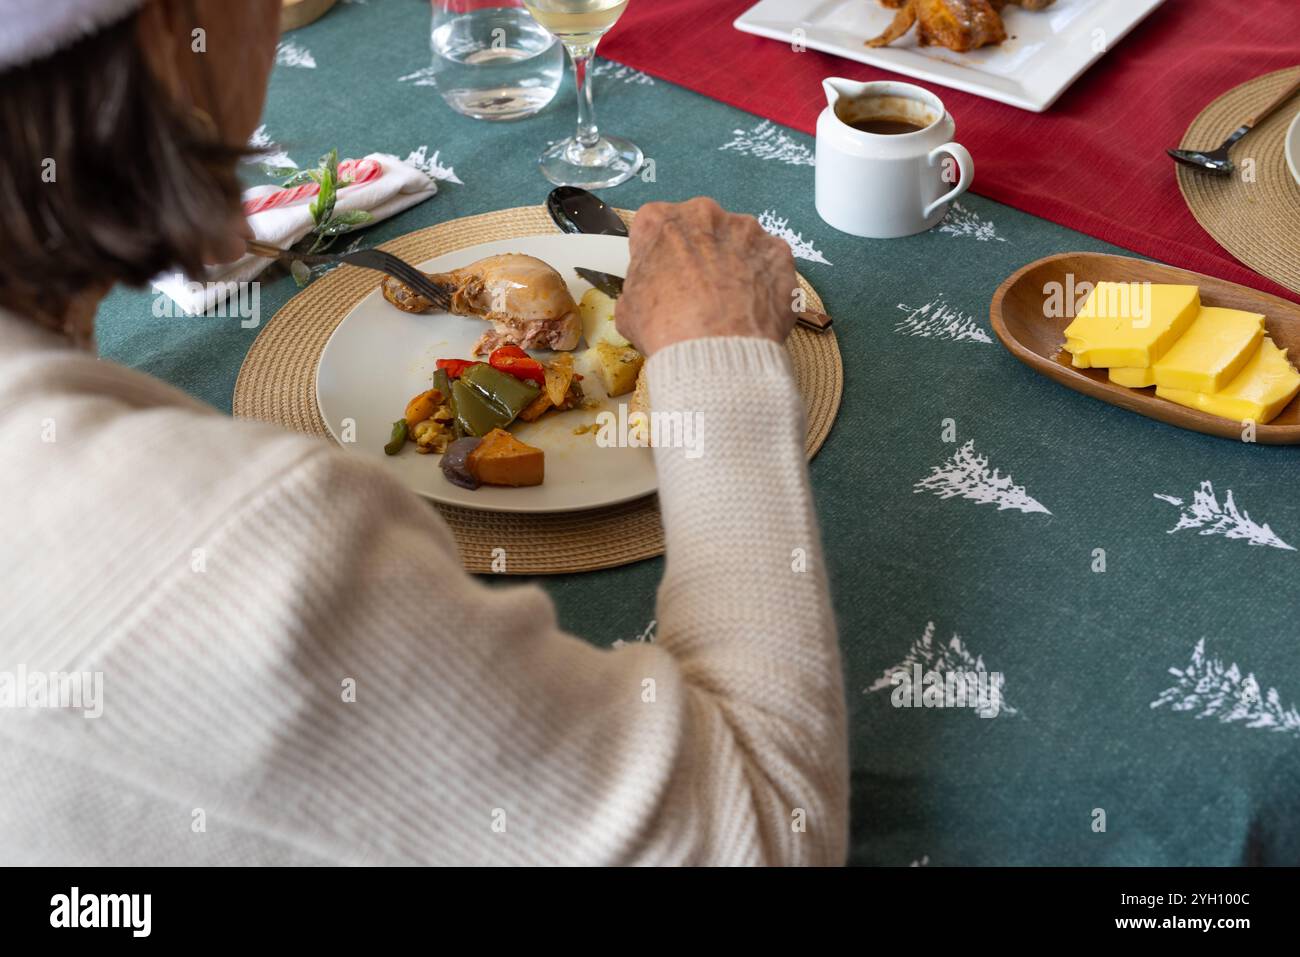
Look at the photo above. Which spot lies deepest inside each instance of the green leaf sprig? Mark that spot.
(329, 225)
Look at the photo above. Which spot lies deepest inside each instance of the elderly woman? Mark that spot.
(295, 668)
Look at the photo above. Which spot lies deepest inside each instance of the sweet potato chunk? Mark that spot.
(501, 459)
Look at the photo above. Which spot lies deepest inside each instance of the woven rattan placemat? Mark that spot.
(1254, 213)
(277, 383)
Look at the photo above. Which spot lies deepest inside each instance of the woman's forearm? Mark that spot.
(744, 605)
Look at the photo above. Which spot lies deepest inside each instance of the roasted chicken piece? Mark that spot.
(959, 25)
(525, 299)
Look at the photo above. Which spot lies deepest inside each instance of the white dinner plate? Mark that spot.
(1293, 148)
(379, 357)
(1045, 50)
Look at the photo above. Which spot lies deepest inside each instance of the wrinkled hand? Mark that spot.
(699, 271)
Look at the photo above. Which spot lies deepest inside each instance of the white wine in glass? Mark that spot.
(587, 158)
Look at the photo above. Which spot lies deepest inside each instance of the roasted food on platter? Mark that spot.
(527, 302)
(959, 25)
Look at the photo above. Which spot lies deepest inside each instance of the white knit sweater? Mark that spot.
(232, 582)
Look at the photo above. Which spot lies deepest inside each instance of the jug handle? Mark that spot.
(964, 163)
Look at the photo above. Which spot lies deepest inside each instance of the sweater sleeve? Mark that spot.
(744, 607)
(352, 695)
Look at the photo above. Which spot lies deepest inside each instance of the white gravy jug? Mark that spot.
(884, 185)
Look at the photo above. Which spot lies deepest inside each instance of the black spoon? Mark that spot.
(1218, 161)
(575, 210)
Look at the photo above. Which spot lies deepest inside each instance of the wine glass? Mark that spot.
(587, 158)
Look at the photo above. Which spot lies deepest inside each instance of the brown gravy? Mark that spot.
(886, 125)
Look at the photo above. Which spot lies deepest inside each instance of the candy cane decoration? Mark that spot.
(351, 173)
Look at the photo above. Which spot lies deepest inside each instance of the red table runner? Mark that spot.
(1094, 162)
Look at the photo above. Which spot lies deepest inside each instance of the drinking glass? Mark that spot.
(587, 158)
(491, 60)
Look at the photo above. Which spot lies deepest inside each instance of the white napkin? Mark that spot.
(398, 187)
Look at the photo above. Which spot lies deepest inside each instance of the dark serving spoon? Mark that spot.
(575, 210)
(1218, 161)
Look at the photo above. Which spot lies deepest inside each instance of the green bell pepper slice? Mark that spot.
(474, 415)
(504, 393)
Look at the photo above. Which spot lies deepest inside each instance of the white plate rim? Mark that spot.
(780, 17)
(430, 264)
(1291, 146)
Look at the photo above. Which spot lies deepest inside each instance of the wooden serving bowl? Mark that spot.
(1019, 317)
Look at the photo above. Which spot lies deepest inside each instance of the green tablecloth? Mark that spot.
(972, 510)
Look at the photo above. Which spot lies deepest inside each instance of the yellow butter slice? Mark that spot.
(1207, 356)
(1212, 352)
(1261, 390)
(1130, 324)
(1133, 378)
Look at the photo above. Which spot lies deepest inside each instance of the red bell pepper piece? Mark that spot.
(516, 362)
(511, 350)
(454, 367)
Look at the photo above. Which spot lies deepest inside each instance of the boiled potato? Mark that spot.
(597, 312)
(617, 366)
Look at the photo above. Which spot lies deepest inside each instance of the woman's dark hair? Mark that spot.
(103, 177)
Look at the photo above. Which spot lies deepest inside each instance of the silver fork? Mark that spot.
(375, 259)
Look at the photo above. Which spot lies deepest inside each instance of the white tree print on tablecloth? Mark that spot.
(288, 53)
(779, 227)
(942, 659)
(269, 153)
(431, 166)
(938, 320)
(767, 141)
(1206, 514)
(425, 76)
(1212, 690)
(962, 221)
(966, 475)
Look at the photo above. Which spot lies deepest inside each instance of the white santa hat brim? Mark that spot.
(33, 29)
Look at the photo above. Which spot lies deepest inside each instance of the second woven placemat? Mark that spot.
(277, 383)
(1254, 213)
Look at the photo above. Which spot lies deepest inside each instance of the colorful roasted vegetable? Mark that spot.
(455, 367)
(422, 407)
(474, 414)
(442, 382)
(559, 374)
(501, 459)
(562, 390)
(398, 438)
(455, 462)
(507, 395)
(513, 360)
